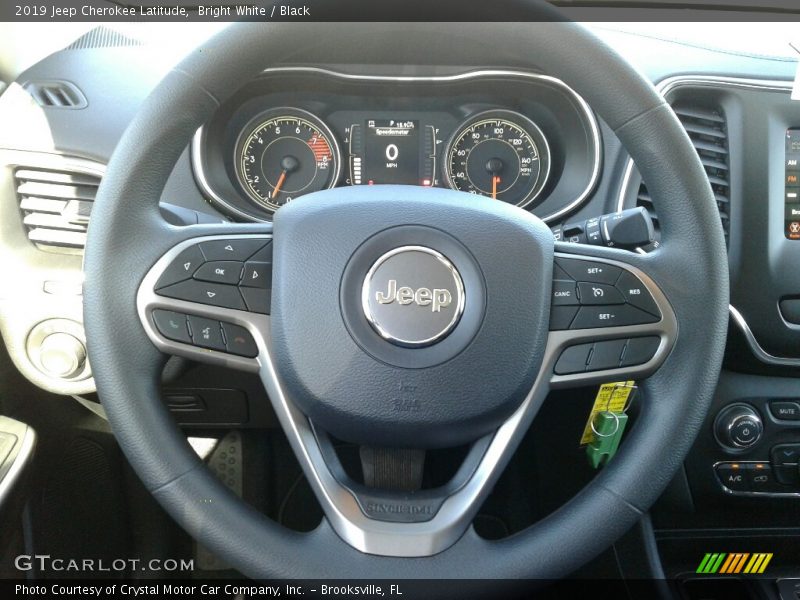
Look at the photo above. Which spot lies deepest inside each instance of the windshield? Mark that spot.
(756, 39)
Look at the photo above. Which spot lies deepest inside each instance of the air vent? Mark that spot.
(707, 130)
(56, 94)
(56, 206)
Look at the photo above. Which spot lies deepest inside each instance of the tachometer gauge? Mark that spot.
(500, 154)
(283, 154)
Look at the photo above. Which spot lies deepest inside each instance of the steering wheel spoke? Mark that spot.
(392, 523)
(609, 320)
(208, 297)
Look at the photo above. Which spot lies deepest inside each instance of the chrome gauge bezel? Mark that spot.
(276, 113)
(520, 121)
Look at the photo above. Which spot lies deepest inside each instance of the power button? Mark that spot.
(738, 426)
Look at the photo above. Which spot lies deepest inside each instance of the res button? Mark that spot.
(635, 293)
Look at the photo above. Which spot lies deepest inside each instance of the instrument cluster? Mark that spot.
(521, 138)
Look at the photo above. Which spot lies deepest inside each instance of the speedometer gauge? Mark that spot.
(283, 154)
(500, 154)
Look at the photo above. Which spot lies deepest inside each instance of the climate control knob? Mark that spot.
(738, 426)
(62, 355)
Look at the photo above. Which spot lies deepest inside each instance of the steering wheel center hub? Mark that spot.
(404, 308)
(413, 296)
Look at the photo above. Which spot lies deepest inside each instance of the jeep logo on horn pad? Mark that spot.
(437, 299)
(413, 296)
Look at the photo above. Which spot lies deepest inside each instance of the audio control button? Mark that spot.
(738, 426)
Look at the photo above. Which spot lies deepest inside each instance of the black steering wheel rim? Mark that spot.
(127, 235)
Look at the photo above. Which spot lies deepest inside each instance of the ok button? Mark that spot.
(220, 271)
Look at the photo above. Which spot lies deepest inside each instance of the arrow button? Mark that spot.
(225, 296)
(232, 249)
(182, 268)
(786, 454)
(257, 275)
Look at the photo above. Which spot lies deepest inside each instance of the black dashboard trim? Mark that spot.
(670, 84)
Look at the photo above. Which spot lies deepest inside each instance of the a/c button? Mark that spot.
(732, 476)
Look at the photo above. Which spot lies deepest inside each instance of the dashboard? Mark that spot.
(522, 137)
(518, 137)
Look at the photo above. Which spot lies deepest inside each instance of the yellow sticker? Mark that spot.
(611, 396)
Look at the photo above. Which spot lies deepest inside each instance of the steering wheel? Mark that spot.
(403, 317)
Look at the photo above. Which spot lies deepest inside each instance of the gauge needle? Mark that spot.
(278, 185)
(494, 166)
(495, 181)
(288, 164)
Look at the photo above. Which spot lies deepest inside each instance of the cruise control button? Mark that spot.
(172, 325)
(258, 300)
(257, 275)
(599, 293)
(573, 359)
(561, 317)
(785, 410)
(232, 249)
(564, 293)
(639, 350)
(182, 267)
(732, 476)
(220, 271)
(206, 333)
(589, 317)
(591, 271)
(215, 294)
(239, 341)
(606, 355)
(636, 293)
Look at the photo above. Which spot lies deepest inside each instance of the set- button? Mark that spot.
(229, 273)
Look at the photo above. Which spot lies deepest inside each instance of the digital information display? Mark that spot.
(391, 152)
(792, 183)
